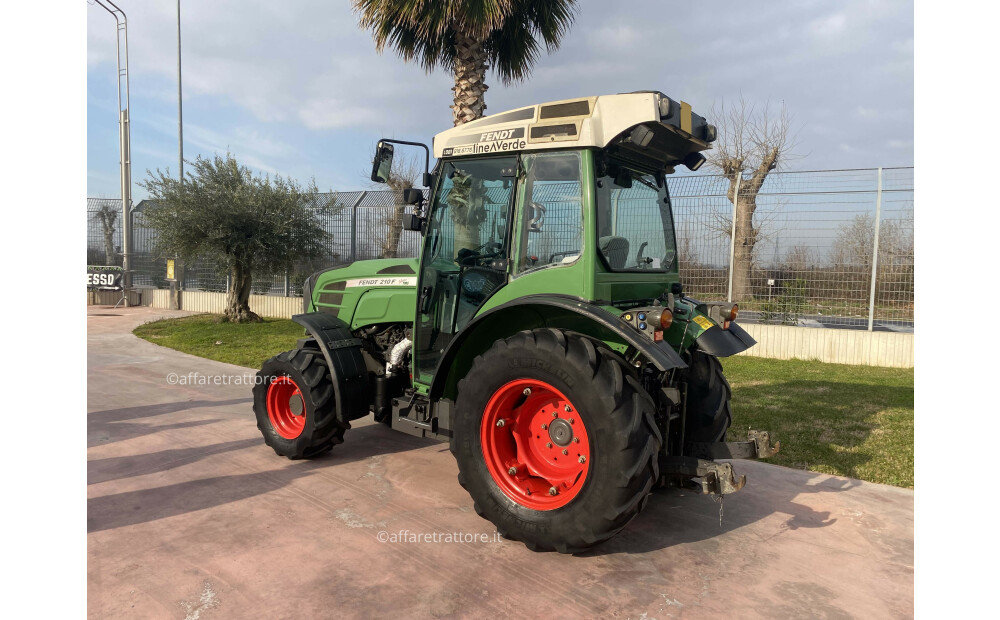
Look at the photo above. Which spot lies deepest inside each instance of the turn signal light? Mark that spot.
(733, 312)
(666, 319)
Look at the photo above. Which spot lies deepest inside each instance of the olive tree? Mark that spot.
(247, 223)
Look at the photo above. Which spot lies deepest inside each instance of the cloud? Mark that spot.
(266, 78)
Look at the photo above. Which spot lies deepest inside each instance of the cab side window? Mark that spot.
(552, 213)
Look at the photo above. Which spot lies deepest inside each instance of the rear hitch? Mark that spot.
(698, 470)
(704, 476)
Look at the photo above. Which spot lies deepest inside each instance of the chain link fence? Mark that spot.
(828, 248)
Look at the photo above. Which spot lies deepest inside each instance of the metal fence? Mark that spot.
(829, 248)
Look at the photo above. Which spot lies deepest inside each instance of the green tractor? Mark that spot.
(543, 331)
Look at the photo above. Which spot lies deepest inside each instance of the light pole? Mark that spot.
(180, 105)
(124, 141)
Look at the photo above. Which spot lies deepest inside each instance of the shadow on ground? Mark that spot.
(132, 507)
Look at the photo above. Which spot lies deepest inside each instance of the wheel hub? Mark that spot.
(560, 432)
(285, 407)
(536, 454)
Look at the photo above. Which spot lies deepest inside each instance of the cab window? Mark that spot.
(551, 220)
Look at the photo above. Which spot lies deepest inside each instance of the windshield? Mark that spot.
(635, 227)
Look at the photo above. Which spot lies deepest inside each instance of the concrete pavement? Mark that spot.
(191, 516)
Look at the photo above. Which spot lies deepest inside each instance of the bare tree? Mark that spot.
(753, 141)
(107, 215)
(799, 258)
(404, 175)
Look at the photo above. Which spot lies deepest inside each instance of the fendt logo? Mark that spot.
(490, 136)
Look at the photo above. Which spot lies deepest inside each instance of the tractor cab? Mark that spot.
(564, 198)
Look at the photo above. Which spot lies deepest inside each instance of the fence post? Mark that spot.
(288, 283)
(878, 222)
(354, 226)
(732, 236)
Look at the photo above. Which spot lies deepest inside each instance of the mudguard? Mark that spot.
(342, 351)
(724, 342)
(545, 310)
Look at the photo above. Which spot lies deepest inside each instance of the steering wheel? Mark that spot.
(468, 257)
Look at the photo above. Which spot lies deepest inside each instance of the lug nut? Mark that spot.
(548, 445)
(545, 427)
(568, 409)
(513, 470)
(576, 440)
(565, 451)
(583, 459)
(501, 422)
(553, 491)
(527, 391)
(555, 414)
(572, 420)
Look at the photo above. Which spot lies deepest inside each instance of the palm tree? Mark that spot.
(468, 36)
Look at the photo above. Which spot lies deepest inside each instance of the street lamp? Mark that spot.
(124, 141)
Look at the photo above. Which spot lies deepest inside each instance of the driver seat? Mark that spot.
(615, 250)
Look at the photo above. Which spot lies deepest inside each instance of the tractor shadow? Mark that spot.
(675, 516)
(113, 425)
(115, 510)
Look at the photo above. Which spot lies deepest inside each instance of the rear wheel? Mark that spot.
(708, 411)
(555, 441)
(295, 406)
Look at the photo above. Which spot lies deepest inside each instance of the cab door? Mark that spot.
(465, 254)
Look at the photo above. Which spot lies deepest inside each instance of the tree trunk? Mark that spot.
(746, 233)
(743, 250)
(108, 228)
(470, 79)
(238, 298)
(390, 245)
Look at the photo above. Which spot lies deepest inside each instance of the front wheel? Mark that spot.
(293, 401)
(555, 441)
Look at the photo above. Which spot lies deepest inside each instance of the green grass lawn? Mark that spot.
(205, 335)
(852, 421)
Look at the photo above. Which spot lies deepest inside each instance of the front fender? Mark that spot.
(342, 352)
(538, 311)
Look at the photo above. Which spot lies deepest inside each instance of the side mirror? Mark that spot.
(412, 221)
(383, 162)
(412, 196)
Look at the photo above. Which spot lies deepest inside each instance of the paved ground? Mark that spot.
(190, 515)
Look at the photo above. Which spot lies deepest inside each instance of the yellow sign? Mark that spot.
(703, 322)
(170, 269)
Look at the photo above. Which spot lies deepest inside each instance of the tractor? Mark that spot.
(543, 331)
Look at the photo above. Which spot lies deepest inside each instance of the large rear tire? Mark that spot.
(294, 403)
(580, 478)
(708, 411)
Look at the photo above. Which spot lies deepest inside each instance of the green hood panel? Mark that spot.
(368, 292)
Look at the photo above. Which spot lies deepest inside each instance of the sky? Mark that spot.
(297, 89)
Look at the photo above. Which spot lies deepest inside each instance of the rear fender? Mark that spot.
(539, 311)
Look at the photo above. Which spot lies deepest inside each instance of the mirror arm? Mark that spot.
(427, 156)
